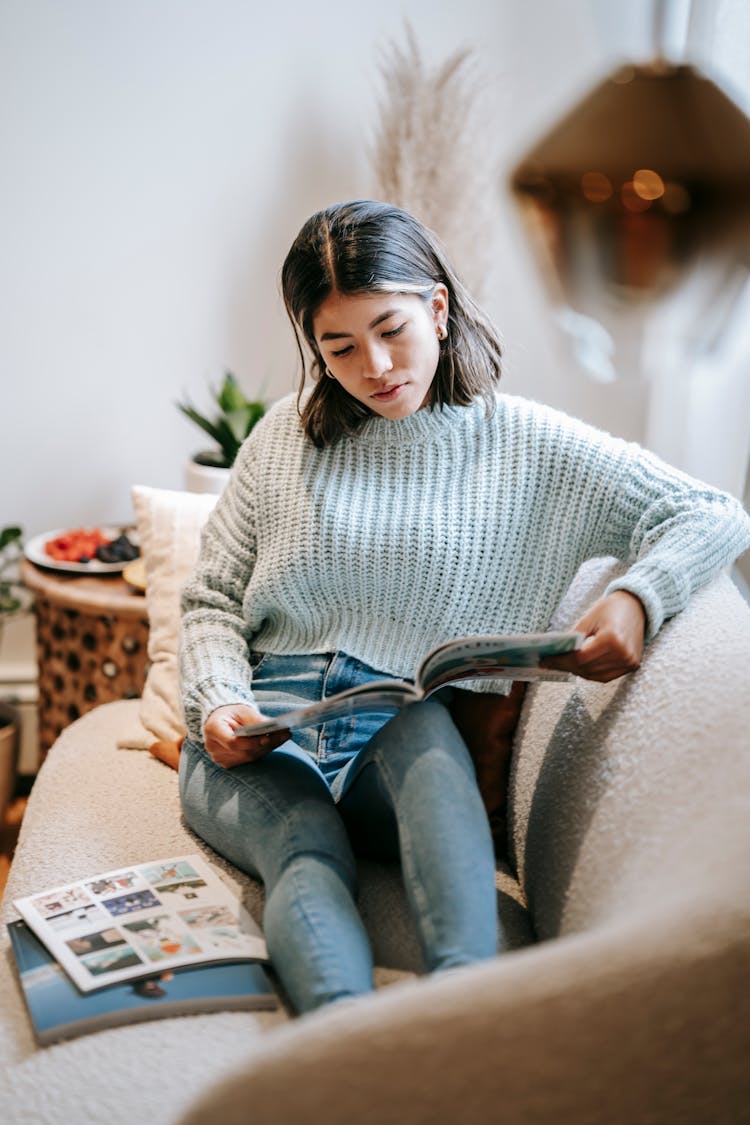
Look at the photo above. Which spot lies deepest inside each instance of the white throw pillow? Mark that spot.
(169, 527)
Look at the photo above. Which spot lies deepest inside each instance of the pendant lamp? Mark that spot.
(648, 174)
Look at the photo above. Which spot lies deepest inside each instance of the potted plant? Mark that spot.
(12, 601)
(231, 422)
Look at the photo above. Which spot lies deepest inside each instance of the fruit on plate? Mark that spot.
(118, 550)
(82, 544)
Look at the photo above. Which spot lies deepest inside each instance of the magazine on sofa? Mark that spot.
(59, 1010)
(126, 924)
(510, 656)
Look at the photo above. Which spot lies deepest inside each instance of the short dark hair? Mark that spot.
(364, 246)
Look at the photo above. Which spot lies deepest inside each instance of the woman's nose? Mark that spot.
(376, 361)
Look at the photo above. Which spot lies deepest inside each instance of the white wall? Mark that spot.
(159, 157)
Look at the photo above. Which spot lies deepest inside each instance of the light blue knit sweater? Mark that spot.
(443, 524)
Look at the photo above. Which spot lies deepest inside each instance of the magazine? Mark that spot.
(509, 656)
(59, 1010)
(126, 924)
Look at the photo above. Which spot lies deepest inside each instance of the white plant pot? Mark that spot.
(205, 478)
(8, 754)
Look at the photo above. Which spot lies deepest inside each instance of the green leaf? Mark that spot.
(205, 423)
(9, 603)
(231, 397)
(256, 410)
(237, 421)
(227, 440)
(9, 535)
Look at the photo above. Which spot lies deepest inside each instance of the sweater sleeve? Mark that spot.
(213, 652)
(675, 532)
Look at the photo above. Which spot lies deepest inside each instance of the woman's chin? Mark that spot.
(402, 406)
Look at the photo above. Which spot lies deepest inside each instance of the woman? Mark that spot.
(399, 503)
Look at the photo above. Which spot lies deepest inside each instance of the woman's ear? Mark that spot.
(440, 304)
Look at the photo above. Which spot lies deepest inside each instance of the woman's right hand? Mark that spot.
(229, 749)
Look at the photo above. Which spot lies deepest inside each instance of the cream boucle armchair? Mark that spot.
(624, 995)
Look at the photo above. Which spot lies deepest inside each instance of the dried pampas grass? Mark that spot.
(434, 153)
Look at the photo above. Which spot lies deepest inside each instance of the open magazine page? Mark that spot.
(386, 696)
(511, 657)
(126, 924)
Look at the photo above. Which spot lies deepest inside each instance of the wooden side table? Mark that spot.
(92, 642)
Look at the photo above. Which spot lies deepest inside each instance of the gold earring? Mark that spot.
(330, 376)
(441, 332)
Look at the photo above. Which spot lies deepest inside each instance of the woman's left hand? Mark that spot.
(226, 747)
(614, 628)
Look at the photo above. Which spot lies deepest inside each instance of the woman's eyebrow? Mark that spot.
(373, 324)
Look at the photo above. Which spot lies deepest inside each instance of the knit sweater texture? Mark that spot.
(447, 523)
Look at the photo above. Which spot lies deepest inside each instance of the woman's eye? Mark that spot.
(344, 351)
(395, 331)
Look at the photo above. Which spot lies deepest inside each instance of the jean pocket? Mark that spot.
(284, 683)
(341, 739)
(296, 678)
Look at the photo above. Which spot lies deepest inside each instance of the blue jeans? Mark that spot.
(400, 787)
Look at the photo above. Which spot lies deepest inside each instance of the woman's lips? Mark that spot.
(389, 393)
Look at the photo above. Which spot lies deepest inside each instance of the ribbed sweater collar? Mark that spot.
(424, 426)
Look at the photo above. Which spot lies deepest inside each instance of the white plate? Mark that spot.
(35, 552)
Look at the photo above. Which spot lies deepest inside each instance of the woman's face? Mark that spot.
(383, 348)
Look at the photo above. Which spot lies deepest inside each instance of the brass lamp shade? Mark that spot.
(650, 169)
